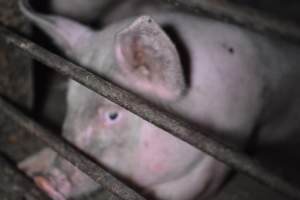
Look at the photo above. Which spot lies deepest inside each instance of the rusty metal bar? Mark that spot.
(34, 193)
(244, 16)
(149, 112)
(72, 154)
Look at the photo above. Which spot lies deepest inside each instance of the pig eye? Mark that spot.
(112, 116)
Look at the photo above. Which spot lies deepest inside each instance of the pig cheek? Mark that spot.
(162, 156)
(151, 158)
(154, 155)
(84, 137)
(89, 134)
(95, 138)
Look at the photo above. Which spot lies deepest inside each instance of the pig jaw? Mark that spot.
(196, 183)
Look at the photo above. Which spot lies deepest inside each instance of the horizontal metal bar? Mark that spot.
(34, 193)
(244, 16)
(72, 154)
(179, 128)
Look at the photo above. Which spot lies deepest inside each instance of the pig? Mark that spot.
(282, 9)
(211, 73)
(85, 11)
(98, 12)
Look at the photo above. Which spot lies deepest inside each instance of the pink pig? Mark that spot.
(212, 73)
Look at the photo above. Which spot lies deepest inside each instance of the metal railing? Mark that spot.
(199, 138)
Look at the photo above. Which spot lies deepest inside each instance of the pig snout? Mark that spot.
(53, 182)
(60, 180)
(55, 185)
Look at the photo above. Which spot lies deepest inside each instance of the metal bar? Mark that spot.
(179, 128)
(72, 154)
(34, 193)
(244, 16)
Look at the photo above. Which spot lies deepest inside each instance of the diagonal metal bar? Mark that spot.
(244, 16)
(149, 112)
(72, 154)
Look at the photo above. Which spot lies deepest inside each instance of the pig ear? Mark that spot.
(149, 58)
(64, 32)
